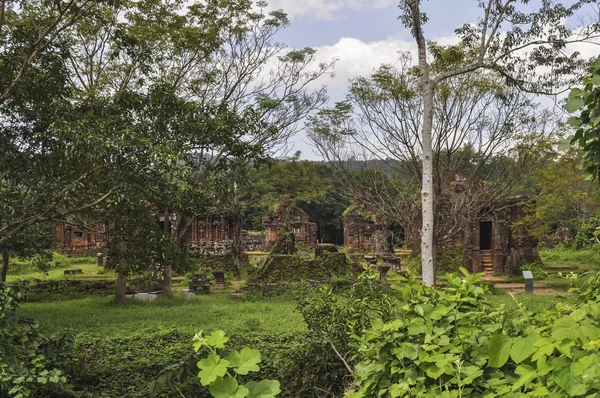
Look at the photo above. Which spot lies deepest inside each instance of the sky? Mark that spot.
(362, 35)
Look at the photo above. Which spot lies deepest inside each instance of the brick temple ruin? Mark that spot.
(216, 234)
(502, 238)
(76, 239)
(366, 231)
(291, 218)
(213, 234)
(498, 240)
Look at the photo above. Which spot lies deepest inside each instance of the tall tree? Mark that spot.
(507, 40)
(485, 135)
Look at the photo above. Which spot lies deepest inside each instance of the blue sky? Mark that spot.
(363, 34)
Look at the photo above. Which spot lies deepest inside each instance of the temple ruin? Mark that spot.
(499, 239)
(289, 217)
(77, 239)
(365, 231)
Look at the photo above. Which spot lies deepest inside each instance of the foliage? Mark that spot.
(41, 262)
(161, 363)
(293, 268)
(451, 342)
(564, 202)
(451, 258)
(30, 362)
(335, 314)
(583, 260)
(222, 375)
(586, 235)
(586, 101)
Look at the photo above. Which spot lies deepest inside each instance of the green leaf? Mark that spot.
(227, 388)
(574, 121)
(498, 350)
(244, 361)
(527, 373)
(566, 328)
(523, 347)
(576, 92)
(574, 104)
(596, 80)
(571, 384)
(217, 339)
(263, 389)
(212, 367)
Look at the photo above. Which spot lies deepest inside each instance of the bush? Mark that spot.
(163, 364)
(585, 236)
(31, 364)
(450, 341)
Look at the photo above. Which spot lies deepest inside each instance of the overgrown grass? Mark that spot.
(98, 315)
(532, 302)
(576, 260)
(90, 270)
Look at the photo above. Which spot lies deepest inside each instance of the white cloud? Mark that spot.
(323, 9)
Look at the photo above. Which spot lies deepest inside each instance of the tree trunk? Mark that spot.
(121, 287)
(427, 194)
(168, 273)
(4, 271)
(427, 199)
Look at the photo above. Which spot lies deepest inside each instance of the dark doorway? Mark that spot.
(485, 235)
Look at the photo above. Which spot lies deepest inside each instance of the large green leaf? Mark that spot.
(527, 373)
(263, 389)
(576, 92)
(217, 339)
(567, 380)
(212, 366)
(566, 328)
(227, 388)
(498, 350)
(523, 347)
(574, 104)
(244, 361)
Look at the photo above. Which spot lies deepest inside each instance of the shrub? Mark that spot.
(30, 363)
(586, 235)
(451, 342)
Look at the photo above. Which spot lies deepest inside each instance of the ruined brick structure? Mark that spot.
(72, 239)
(366, 231)
(216, 234)
(498, 240)
(502, 238)
(290, 218)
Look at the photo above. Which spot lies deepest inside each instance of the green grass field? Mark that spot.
(572, 260)
(98, 315)
(22, 269)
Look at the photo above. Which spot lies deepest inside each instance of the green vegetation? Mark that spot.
(583, 260)
(100, 316)
(222, 374)
(90, 269)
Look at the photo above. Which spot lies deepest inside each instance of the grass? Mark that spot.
(532, 302)
(99, 316)
(576, 260)
(90, 269)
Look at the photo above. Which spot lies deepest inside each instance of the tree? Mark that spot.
(586, 101)
(484, 141)
(506, 41)
(153, 101)
(36, 240)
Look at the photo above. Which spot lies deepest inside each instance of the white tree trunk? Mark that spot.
(427, 193)
(427, 199)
